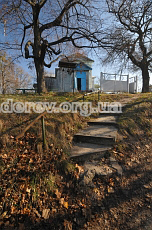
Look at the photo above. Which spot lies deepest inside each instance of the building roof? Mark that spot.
(76, 57)
(83, 67)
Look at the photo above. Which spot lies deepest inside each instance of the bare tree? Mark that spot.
(7, 79)
(131, 34)
(45, 27)
(23, 79)
(11, 75)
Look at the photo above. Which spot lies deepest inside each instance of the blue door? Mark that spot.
(81, 81)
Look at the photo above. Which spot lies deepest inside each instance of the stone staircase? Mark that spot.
(90, 147)
(98, 137)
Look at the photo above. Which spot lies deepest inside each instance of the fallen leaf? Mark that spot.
(54, 210)
(57, 193)
(25, 211)
(23, 198)
(4, 214)
(65, 205)
(31, 160)
(13, 209)
(115, 151)
(45, 213)
(67, 225)
(61, 201)
(37, 213)
(110, 190)
(80, 168)
(111, 182)
(28, 190)
(26, 151)
(149, 195)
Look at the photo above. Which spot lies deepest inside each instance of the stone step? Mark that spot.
(103, 123)
(95, 140)
(104, 120)
(97, 134)
(104, 113)
(88, 150)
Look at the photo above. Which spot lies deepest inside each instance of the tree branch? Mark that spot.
(30, 2)
(132, 57)
(49, 65)
(58, 20)
(25, 28)
(42, 3)
(53, 50)
(27, 55)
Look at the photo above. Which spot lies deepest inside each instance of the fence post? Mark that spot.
(128, 83)
(43, 132)
(98, 95)
(136, 84)
(83, 98)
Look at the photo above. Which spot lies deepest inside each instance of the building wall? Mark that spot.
(63, 80)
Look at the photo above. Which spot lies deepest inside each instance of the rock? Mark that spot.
(116, 166)
(98, 169)
(92, 169)
(88, 177)
(104, 170)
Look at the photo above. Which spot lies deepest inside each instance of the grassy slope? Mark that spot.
(59, 127)
(135, 124)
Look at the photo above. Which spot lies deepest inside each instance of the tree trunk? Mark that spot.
(37, 51)
(3, 83)
(145, 78)
(40, 77)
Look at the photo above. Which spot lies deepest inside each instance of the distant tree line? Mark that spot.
(12, 76)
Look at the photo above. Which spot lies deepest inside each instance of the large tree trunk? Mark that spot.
(40, 77)
(37, 51)
(145, 78)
